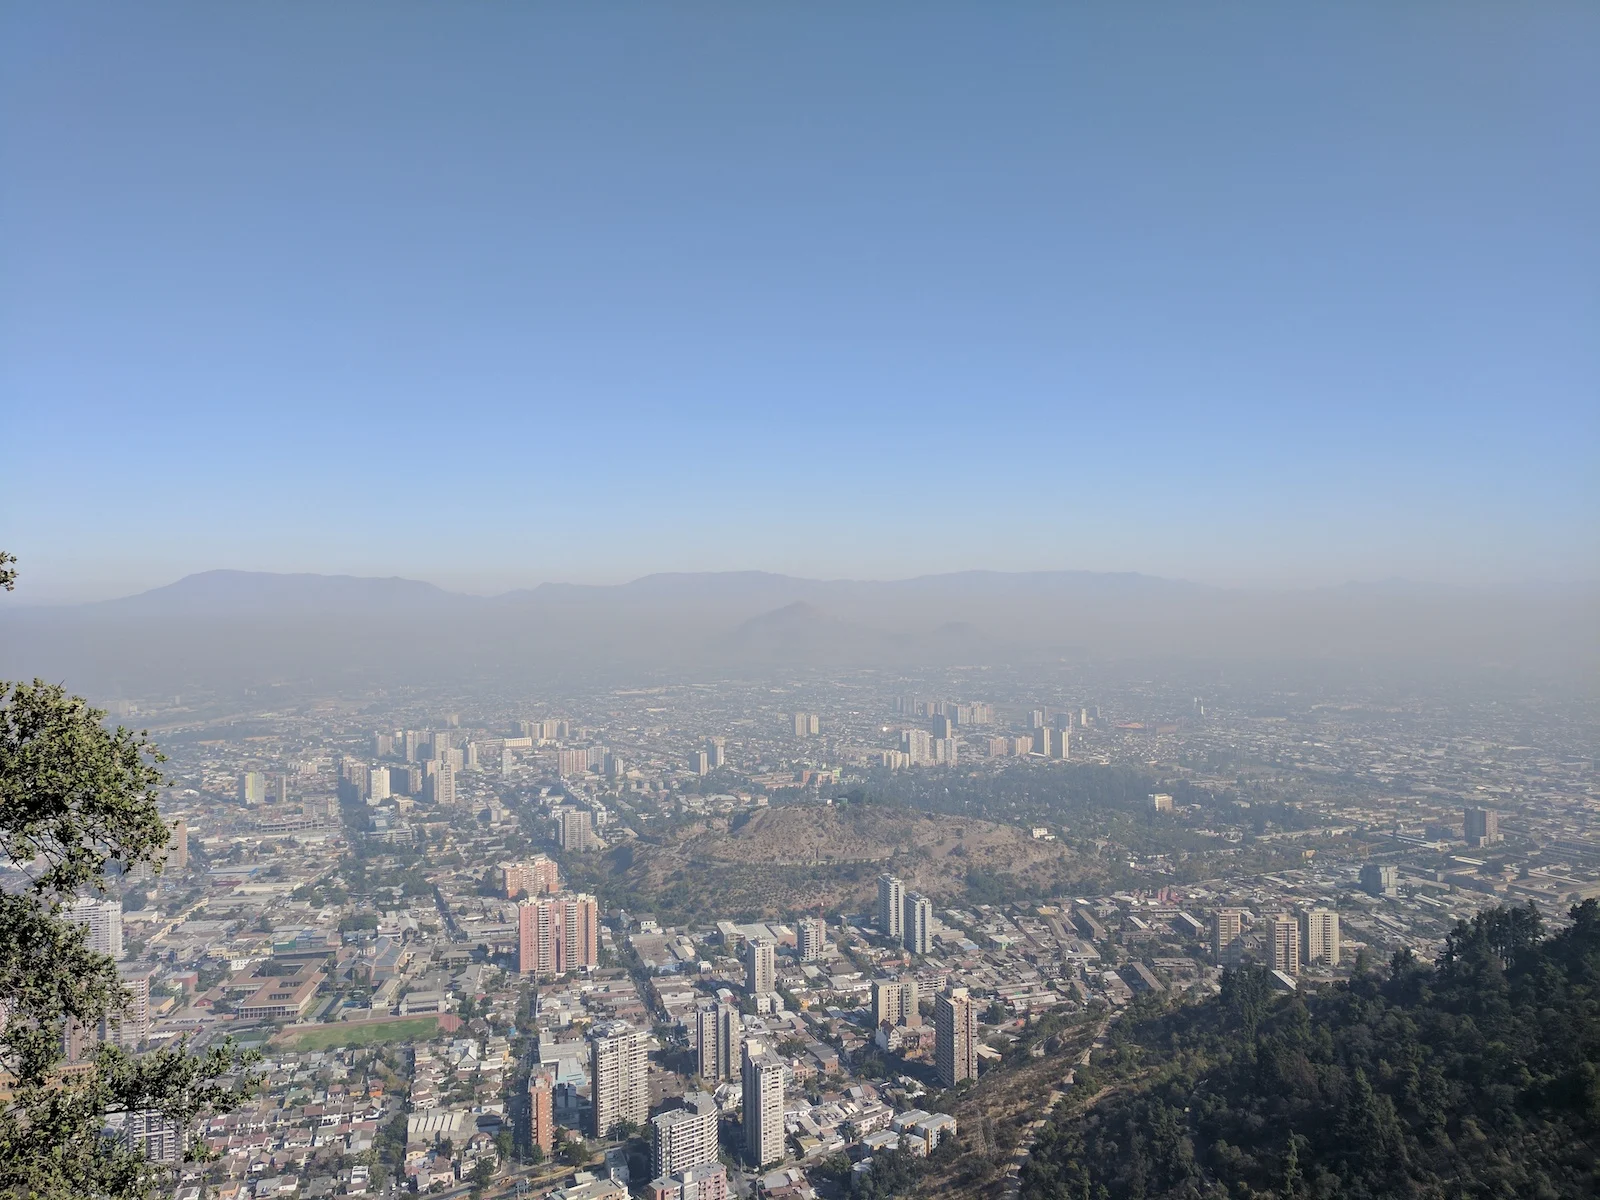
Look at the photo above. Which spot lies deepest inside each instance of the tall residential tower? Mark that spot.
(813, 934)
(891, 906)
(762, 1073)
(955, 1045)
(718, 1037)
(618, 1071)
(760, 966)
(917, 930)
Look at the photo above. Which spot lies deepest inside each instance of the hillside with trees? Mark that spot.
(1477, 1076)
(772, 862)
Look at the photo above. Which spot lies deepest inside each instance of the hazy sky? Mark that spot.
(494, 293)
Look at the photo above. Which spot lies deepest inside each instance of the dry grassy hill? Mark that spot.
(774, 862)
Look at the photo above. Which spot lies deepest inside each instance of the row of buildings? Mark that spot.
(904, 917)
(1292, 939)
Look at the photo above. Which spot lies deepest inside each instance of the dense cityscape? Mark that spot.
(745, 938)
(799, 602)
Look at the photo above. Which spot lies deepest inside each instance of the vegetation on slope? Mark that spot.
(776, 861)
(1106, 809)
(1476, 1077)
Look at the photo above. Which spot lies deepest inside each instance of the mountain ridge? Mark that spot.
(251, 589)
(234, 590)
(239, 627)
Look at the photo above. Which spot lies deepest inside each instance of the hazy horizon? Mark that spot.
(234, 630)
(519, 584)
(492, 297)
(490, 585)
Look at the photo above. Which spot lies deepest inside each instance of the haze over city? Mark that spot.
(682, 602)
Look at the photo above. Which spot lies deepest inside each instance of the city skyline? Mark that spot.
(703, 602)
(740, 990)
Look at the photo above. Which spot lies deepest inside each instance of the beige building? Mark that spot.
(1283, 943)
(575, 829)
(619, 1075)
(103, 918)
(1319, 936)
(440, 784)
(895, 1001)
(763, 1105)
(1227, 928)
(916, 933)
(891, 907)
(813, 934)
(178, 847)
(718, 1037)
(760, 966)
(955, 1046)
(684, 1137)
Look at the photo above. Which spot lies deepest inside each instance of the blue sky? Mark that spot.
(489, 294)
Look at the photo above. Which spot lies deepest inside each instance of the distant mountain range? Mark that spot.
(233, 593)
(253, 626)
(214, 593)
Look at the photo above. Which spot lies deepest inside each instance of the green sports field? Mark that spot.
(325, 1037)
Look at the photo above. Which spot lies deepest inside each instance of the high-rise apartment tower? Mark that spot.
(891, 907)
(895, 1001)
(684, 1137)
(762, 1076)
(760, 966)
(618, 1073)
(1482, 826)
(718, 1038)
(813, 935)
(917, 924)
(1227, 927)
(1283, 943)
(955, 1028)
(1319, 936)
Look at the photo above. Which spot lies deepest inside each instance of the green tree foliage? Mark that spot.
(73, 796)
(893, 1173)
(74, 799)
(1476, 1077)
(994, 887)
